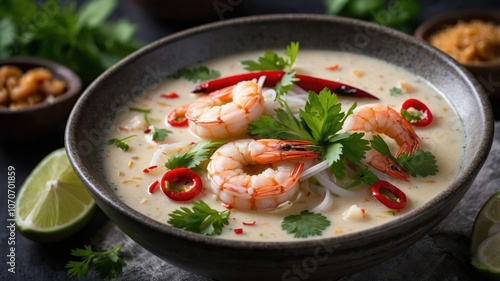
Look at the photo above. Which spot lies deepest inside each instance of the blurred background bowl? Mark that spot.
(487, 73)
(41, 119)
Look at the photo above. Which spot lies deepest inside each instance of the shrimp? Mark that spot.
(379, 118)
(257, 174)
(226, 112)
(385, 164)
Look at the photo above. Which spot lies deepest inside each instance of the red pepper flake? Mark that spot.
(227, 206)
(147, 131)
(152, 187)
(333, 67)
(238, 230)
(171, 95)
(249, 223)
(145, 170)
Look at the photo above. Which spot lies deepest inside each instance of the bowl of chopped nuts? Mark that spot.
(36, 97)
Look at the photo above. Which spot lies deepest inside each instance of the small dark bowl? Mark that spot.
(487, 73)
(328, 258)
(44, 118)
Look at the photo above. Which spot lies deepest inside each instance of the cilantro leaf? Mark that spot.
(197, 153)
(200, 219)
(159, 134)
(284, 85)
(420, 163)
(120, 143)
(394, 91)
(305, 224)
(412, 115)
(196, 74)
(272, 61)
(381, 146)
(108, 264)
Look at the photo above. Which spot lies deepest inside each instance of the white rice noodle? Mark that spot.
(296, 99)
(325, 203)
(169, 148)
(321, 166)
(325, 178)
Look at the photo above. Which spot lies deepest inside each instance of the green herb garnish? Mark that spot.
(305, 224)
(412, 115)
(108, 264)
(401, 14)
(81, 39)
(197, 153)
(395, 91)
(284, 85)
(120, 143)
(201, 73)
(200, 219)
(272, 61)
(320, 122)
(159, 134)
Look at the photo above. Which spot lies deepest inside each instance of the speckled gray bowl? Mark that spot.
(323, 259)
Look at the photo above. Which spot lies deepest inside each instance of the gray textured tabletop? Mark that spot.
(440, 255)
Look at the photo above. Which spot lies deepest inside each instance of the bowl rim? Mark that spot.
(442, 20)
(351, 238)
(63, 72)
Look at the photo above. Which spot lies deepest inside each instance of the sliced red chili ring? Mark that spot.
(177, 117)
(425, 117)
(181, 184)
(397, 204)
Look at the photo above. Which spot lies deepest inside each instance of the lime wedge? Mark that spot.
(53, 204)
(485, 238)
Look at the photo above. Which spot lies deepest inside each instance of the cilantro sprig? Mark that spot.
(192, 159)
(156, 133)
(320, 122)
(305, 224)
(272, 61)
(108, 264)
(120, 143)
(200, 219)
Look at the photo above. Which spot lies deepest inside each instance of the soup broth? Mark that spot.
(128, 174)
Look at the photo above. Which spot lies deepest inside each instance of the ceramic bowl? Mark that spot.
(318, 259)
(44, 118)
(487, 73)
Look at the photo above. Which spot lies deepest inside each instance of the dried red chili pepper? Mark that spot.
(306, 82)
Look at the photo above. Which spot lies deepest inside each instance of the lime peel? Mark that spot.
(485, 239)
(53, 203)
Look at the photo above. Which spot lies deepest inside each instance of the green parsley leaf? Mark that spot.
(200, 219)
(305, 224)
(108, 264)
(420, 163)
(381, 146)
(272, 61)
(197, 153)
(159, 134)
(394, 91)
(196, 74)
(120, 143)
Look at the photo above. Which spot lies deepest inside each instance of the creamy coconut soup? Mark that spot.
(131, 173)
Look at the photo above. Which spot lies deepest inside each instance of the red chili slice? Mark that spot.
(181, 184)
(177, 117)
(426, 117)
(238, 230)
(171, 95)
(152, 187)
(398, 204)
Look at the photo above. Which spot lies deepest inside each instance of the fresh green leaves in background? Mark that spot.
(81, 39)
(398, 14)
